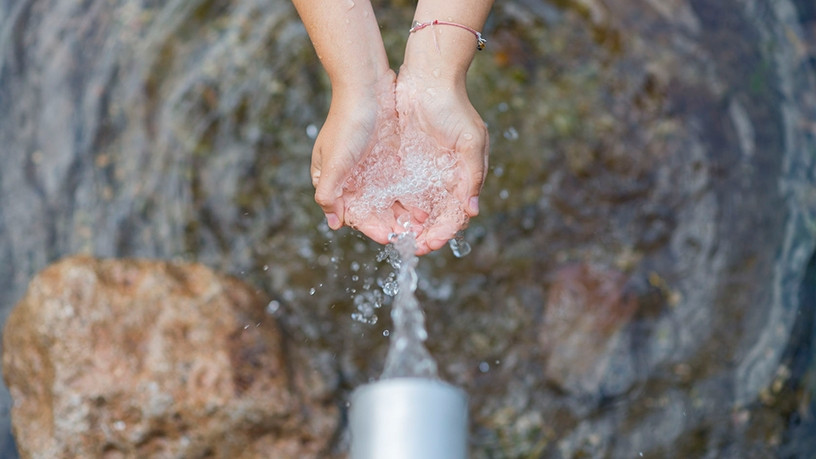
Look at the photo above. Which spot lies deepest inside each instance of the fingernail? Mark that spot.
(333, 221)
(474, 205)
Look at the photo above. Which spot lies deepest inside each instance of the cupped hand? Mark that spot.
(370, 160)
(441, 110)
(356, 123)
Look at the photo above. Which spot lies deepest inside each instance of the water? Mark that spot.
(459, 246)
(407, 354)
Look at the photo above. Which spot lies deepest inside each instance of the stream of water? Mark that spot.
(407, 354)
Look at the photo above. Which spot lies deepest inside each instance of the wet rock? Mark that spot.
(585, 320)
(153, 359)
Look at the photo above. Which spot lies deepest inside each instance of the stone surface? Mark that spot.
(152, 359)
(586, 310)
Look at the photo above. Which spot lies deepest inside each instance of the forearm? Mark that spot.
(347, 40)
(446, 51)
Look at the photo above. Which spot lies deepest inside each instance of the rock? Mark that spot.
(586, 313)
(153, 359)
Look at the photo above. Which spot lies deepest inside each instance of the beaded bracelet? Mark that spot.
(480, 42)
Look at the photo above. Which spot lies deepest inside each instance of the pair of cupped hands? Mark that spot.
(426, 101)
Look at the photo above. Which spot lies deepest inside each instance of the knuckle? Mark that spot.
(325, 197)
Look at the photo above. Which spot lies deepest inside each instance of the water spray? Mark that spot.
(410, 413)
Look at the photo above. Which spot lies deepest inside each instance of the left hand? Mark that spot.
(442, 110)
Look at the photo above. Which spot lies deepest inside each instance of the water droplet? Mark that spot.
(272, 307)
(355, 266)
(266, 268)
(459, 246)
(311, 131)
(484, 367)
(502, 107)
(363, 318)
(498, 171)
(119, 425)
(386, 333)
(355, 278)
(467, 135)
(511, 134)
(390, 288)
(246, 327)
(404, 221)
(311, 291)
(504, 194)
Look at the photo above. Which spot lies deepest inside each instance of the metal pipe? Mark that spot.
(409, 418)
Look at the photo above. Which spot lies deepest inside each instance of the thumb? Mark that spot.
(474, 153)
(327, 179)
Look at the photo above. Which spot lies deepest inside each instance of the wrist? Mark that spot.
(440, 53)
(364, 98)
(362, 84)
(362, 77)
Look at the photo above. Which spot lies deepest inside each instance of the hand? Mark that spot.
(350, 132)
(440, 109)
(361, 130)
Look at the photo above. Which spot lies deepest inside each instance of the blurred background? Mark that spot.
(642, 278)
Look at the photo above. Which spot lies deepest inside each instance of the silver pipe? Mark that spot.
(409, 418)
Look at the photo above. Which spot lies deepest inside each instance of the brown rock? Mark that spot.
(153, 359)
(586, 312)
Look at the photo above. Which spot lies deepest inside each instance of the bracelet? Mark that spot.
(480, 42)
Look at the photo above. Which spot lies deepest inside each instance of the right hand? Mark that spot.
(349, 133)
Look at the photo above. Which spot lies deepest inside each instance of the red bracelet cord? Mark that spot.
(480, 42)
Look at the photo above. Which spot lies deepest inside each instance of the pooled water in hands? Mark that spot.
(407, 174)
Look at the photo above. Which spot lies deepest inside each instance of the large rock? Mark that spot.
(152, 359)
(586, 311)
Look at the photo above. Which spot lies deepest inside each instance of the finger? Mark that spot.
(317, 160)
(428, 245)
(376, 231)
(438, 236)
(422, 249)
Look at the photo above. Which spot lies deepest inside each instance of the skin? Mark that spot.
(348, 43)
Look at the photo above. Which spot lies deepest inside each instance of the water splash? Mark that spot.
(407, 355)
(366, 304)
